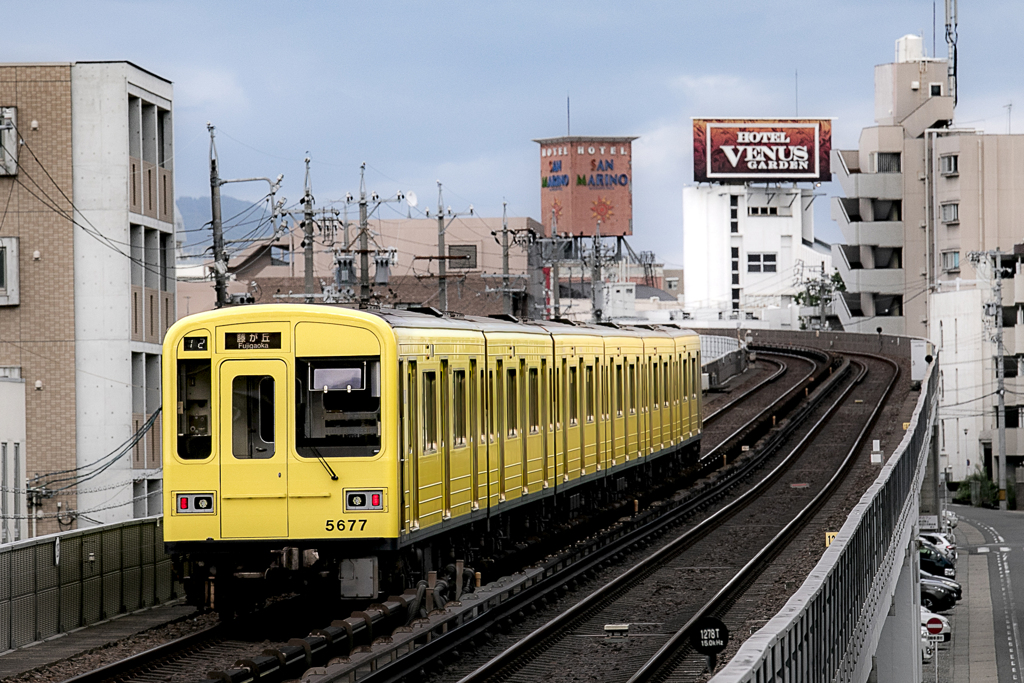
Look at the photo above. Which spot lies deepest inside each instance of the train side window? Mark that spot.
(429, 412)
(665, 383)
(686, 378)
(511, 404)
(194, 441)
(589, 388)
(337, 407)
(490, 406)
(252, 416)
(459, 407)
(618, 389)
(534, 401)
(574, 415)
(632, 389)
(655, 386)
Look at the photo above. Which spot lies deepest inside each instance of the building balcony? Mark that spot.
(846, 259)
(849, 308)
(856, 231)
(856, 184)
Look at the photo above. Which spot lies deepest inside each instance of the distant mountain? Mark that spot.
(195, 213)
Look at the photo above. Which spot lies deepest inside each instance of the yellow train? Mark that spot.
(363, 449)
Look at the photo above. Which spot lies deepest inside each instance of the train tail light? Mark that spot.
(195, 503)
(364, 500)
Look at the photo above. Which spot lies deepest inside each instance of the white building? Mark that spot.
(90, 236)
(744, 249)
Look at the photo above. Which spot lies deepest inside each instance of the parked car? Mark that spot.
(947, 630)
(949, 519)
(941, 541)
(943, 581)
(936, 598)
(926, 646)
(925, 544)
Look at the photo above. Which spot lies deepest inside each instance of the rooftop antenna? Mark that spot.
(1009, 114)
(951, 45)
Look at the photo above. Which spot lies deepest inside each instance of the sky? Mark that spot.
(457, 91)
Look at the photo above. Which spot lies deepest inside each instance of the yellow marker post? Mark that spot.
(829, 537)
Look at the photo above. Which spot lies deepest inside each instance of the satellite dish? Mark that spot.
(411, 199)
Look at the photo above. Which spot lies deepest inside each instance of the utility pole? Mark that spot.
(596, 284)
(506, 294)
(364, 241)
(442, 262)
(307, 229)
(220, 262)
(822, 289)
(555, 286)
(995, 309)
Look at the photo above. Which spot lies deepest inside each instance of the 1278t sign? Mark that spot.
(252, 341)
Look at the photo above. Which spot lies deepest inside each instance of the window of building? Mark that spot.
(511, 404)
(887, 162)
(672, 284)
(1011, 417)
(279, 255)
(252, 416)
(761, 263)
(951, 261)
(951, 213)
(734, 210)
(462, 256)
(459, 408)
(762, 211)
(735, 298)
(935, 89)
(9, 289)
(949, 164)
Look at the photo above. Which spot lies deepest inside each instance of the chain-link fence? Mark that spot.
(57, 583)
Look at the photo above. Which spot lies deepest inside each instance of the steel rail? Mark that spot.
(536, 641)
(142, 660)
(783, 367)
(664, 658)
(439, 645)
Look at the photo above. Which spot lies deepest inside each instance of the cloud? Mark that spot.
(212, 90)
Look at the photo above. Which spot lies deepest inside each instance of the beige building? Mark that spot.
(86, 287)
(921, 196)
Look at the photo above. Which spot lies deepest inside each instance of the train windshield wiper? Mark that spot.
(334, 477)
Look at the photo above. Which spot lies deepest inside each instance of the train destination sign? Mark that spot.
(252, 341)
(761, 150)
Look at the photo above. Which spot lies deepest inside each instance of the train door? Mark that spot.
(533, 431)
(589, 421)
(475, 443)
(414, 448)
(446, 439)
(253, 449)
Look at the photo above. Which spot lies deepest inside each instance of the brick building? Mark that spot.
(86, 289)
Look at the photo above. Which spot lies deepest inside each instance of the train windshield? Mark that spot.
(337, 407)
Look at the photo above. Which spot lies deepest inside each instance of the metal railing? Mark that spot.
(714, 346)
(829, 629)
(56, 583)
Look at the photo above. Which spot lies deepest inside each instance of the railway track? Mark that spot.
(172, 661)
(649, 598)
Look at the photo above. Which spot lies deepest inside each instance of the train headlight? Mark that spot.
(372, 499)
(192, 503)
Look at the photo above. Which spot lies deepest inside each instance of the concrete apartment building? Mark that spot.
(742, 247)
(86, 240)
(921, 195)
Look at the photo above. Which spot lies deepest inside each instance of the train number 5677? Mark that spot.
(346, 525)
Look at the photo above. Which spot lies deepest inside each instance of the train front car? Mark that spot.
(281, 460)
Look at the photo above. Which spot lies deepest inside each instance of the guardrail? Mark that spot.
(56, 583)
(831, 627)
(714, 346)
